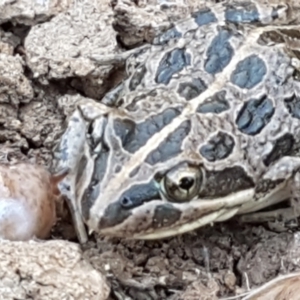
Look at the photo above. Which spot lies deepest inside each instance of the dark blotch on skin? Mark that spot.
(171, 146)
(114, 214)
(190, 90)
(170, 34)
(133, 106)
(283, 146)
(264, 186)
(92, 192)
(293, 106)
(222, 183)
(255, 115)
(118, 169)
(135, 136)
(124, 128)
(137, 77)
(81, 166)
(246, 14)
(136, 195)
(204, 16)
(218, 147)
(274, 14)
(219, 53)
(134, 172)
(215, 104)
(112, 97)
(165, 215)
(172, 63)
(249, 72)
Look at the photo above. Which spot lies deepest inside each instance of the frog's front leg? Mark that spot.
(75, 152)
(281, 182)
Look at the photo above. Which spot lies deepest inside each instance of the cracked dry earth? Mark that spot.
(44, 71)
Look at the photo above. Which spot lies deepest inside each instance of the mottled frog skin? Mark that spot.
(205, 127)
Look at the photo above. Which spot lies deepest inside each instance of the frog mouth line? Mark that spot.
(205, 212)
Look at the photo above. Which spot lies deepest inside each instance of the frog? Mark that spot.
(204, 128)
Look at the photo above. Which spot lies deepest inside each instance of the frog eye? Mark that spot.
(183, 183)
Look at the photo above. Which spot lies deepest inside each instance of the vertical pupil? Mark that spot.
(186, 183)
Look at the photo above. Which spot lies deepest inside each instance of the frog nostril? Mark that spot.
(126, 202)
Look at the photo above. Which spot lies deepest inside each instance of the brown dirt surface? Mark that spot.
(44, 71)
(48, 270)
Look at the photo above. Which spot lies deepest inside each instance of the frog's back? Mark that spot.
(189, 56)
(234, 81)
